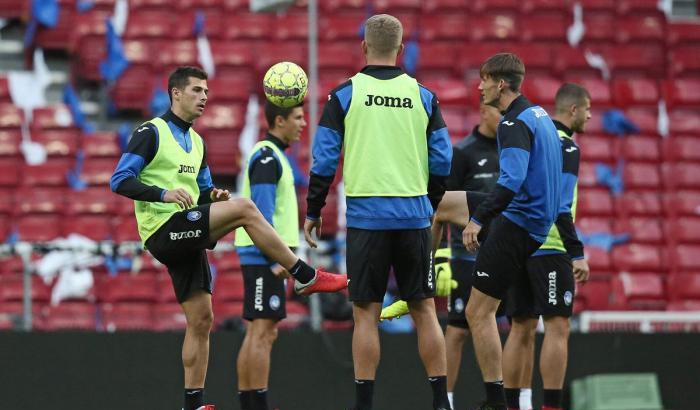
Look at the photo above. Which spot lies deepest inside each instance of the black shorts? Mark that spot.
(547, 290)
(502, 257)
(180, 244)
(372, 254)
(462, 271)
(264, 293)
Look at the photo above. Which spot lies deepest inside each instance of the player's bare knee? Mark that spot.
(557, 326)
(202, 322)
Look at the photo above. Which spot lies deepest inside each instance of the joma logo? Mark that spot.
(387, 101)
(186, 169)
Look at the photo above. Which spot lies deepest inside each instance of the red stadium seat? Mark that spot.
(58, 142)
(635, 91)
(149, 24)
(600, 27)
(683, 92)
(149, 5)
(125, 229)
(544, 28)
(597, 88)
(641, 176)
(381, 6)
(681, 148)
(645, 59)
(209, 5)
(596, 148)
(226, 262)
(644, 118)
(640, 148)
(637, 257)
(685, 257)
(587, 175)
(444, 27)
(681, 175)
(682, 203)
(9, 142)
(684, 286)
(228, 89)
(450, 91)
(638, 291)
(58, 37)
(224, 312)
(40, 200)
(456, 6)
(640, 28)
(12, 289)
(346, 26)
(473, 56)
(14, 8)
(689, 305)
(594, 295)
(684, 60)
(481, 6)
(221, 116)
(4, 89)
(97, 228)
(133, 90)
(684, 121)
(683, 230)
(499, 26)
(229, 288)
(56, 116)
(38, 228)
(98, 171)
(90, 201)
(591, 225)
(214, 21)
(69, 316)
(9, 172)
(455, 119)
(127, 288)
(642, 230)
(594, 202)
(683, 32)
(537, 57)
(339, 55)
(165, 293)
(51, 173)
(557, 7)
(232, 59)
(638, 204)
(168, 317)
(177, 53)
(273, 52)
(258, 26)
(291, 26)
(127, 316)
(541, 90)
(438, 58)
(101, 144)
(595, 124)
(10, 116)
(238, 5)
(89, 53)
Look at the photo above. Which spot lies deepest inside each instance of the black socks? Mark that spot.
(439, 386)
(494, 393)
(552, 398)
(513, 398)
(302, 272)
(364, 390)
(194, 398)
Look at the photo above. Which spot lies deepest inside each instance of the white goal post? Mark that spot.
(639, 322)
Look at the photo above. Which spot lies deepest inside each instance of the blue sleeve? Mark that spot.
(204, 180)
(264, 197)
(326, 151)
(568, 182)
(129, 166)
(513, 163)
(439, 144)
(139, 153)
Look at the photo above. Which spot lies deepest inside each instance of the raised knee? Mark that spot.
(557, 325)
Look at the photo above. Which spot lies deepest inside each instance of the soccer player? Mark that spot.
(269, 182)
(397, 158)
(518, 212)
(548, 288)
(180, 214)
(474, 168)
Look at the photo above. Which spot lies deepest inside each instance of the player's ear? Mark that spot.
(363, 46)
(401, 48)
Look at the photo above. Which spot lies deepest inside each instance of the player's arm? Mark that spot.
(140, 152)
(207, 192)
(264, 172)
(565, 221)
(439, 149)
(325, 151)
(515, 141)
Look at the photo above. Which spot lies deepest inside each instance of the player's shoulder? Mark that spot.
(264, 155)
(568, 145)
(345, 86)
(425, 91)
(144, 130)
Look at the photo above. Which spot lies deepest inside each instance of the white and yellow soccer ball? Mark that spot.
(285, 84)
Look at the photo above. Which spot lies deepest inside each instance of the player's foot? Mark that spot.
(322, 282)
(394, 311)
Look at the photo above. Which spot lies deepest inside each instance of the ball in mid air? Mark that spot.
(285, 84)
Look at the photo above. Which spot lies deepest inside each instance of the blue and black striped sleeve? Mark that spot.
(515, 141)
(326, 148)
(204, 181)
(439, 148)
(140, 151)
(565, 222)
(264, 172)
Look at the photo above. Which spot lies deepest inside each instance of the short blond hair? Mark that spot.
(383, 34)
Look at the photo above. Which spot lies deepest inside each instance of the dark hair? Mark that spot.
(570, 94)
(272, 111)
(181, 77)
(504, 66)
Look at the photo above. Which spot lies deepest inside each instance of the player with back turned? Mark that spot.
(180, 214)
(397, 157)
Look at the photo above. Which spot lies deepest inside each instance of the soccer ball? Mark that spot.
(285, 84)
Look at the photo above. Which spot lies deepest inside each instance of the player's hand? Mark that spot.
(443, 279)
(279, 271)
(469, 236)
(581, 270)
(309, 226)
(218, 195)
(180, 197)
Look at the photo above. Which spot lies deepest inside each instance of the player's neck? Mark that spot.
(507, 98)
(485, 132)
(565, 121)
(181, 114)
(375, 60)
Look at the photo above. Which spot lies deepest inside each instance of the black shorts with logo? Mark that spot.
(547, 289)
(372, 254)
(502, 257)
(462, 271)
(264, 293)
(180, 244)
